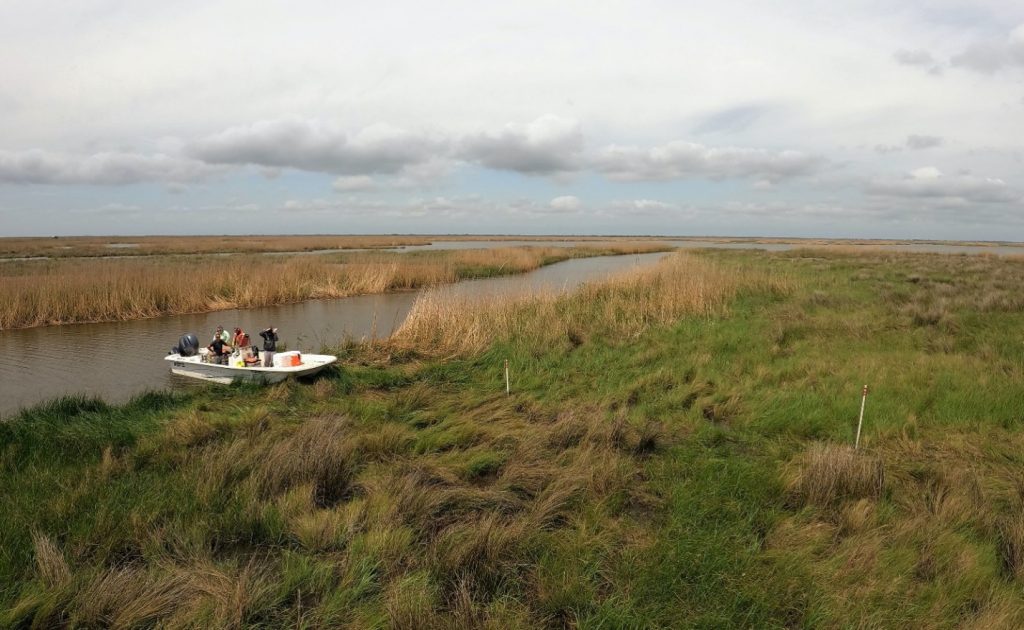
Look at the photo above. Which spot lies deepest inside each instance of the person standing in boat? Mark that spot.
(242, 345)
(222, 334)
(241, 339)
(269, 346)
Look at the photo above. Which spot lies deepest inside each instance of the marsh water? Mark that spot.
(118, 360)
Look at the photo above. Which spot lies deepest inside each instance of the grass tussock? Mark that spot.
(829, 474)
(619, 308)
(60, 292)
(1010, 544)
(50, 563)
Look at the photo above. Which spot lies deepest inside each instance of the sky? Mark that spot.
(862, 119)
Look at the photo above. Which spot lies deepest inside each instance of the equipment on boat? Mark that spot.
(187, 346)
(200, 367)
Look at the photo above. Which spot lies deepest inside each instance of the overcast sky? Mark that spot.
(804, 118)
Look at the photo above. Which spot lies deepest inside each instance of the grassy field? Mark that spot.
(675, 453)
(39, 293)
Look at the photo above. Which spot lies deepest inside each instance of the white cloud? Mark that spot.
(683, 160)
(990, 56)
(110, 168)
(565, 203)
(548, 145)
(641, 207)
(651, 204)
(930, 183)
(315, 145)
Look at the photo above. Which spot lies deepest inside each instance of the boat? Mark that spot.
(195, 366)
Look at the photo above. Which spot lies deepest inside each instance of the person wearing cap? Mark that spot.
(269, 335)
(220, 350)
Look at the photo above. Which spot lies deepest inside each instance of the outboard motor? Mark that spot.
(187, 346)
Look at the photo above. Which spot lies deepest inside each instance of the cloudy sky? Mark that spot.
(808, 118)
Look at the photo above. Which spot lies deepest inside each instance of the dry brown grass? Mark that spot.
(50, 563)
(127, 597)
(620, 307)
(1010, 544)
(91, 246)
(60, 292)
(829, 474)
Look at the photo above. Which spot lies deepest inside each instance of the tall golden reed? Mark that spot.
(95, 246)
(94, 290)
(89, 246)
(623, 306)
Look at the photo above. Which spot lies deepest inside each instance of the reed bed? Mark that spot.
(41, 293)
(96, 246)
(623, 306)
(90, 246)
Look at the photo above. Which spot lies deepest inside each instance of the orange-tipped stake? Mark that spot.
(508, 389)
(860, 421)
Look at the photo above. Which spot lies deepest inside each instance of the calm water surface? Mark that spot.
(118, 360)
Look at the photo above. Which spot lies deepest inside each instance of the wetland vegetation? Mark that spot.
(62, 291)
(675, 452)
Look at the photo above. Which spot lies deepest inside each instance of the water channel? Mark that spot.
(120, 359)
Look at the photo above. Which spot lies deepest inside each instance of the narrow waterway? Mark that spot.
(118, 360)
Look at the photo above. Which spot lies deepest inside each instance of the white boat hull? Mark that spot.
(194, 367)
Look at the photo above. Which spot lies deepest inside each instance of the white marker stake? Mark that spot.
(508, 390)
(860, 422)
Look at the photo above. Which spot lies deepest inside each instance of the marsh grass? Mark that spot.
(99, 246)
(622, 307)
(58, 292)
(666, 459)
(337, 492)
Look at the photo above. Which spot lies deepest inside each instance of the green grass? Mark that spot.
(660, 480)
